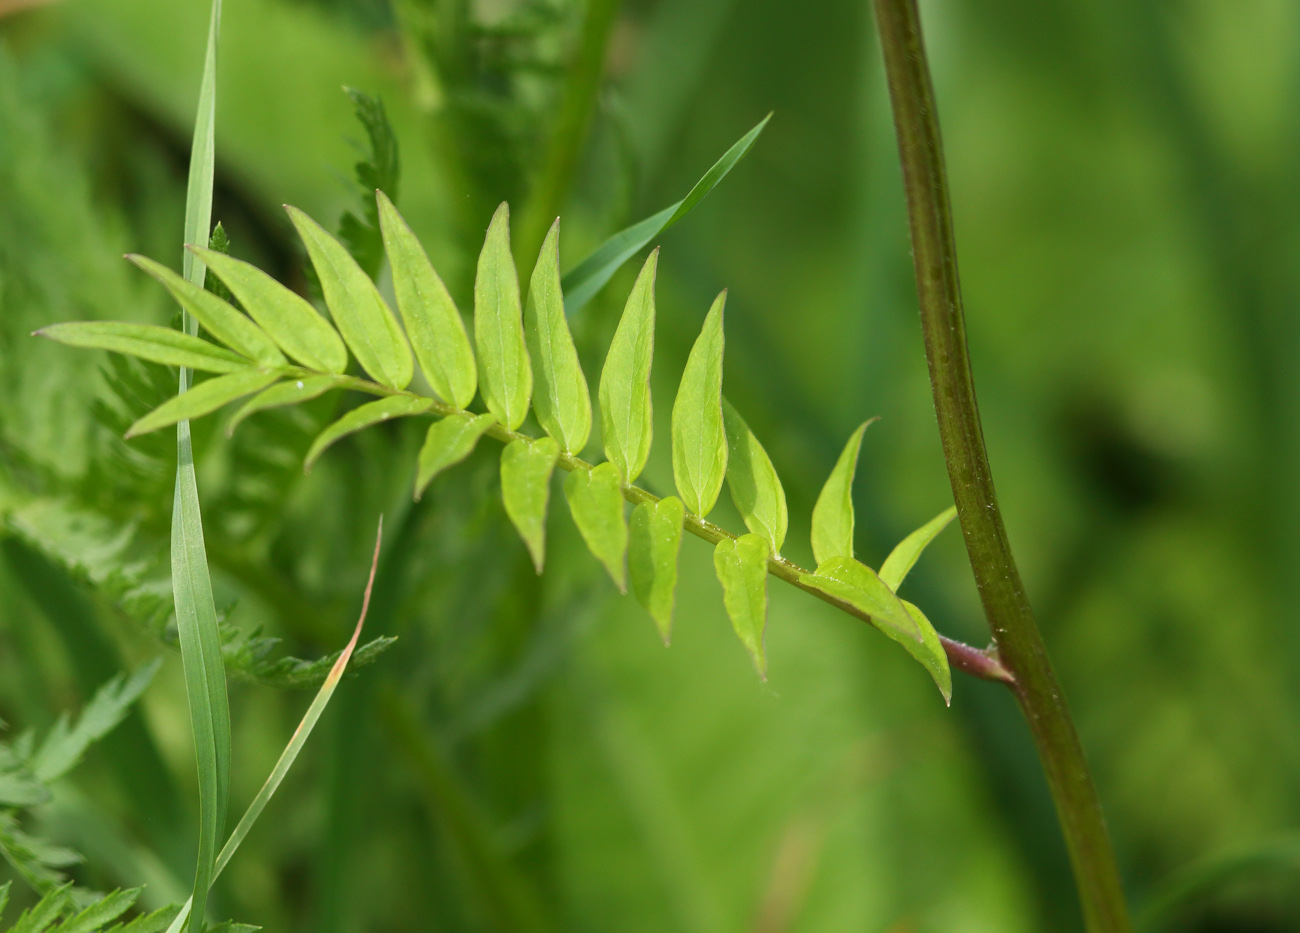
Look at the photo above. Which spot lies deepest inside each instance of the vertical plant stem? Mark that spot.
(1010, 617)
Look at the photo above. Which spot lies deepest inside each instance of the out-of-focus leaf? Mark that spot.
(561, 398)
(204, 398)
(755, 487)
(905, 555)
(433, 324)
(103, 911)
(37, 918)
(224, 322)
(449, 441)
(583, 281)
(290, 320)
(596, 501)
(363, 416)
(148, 342)
(359, 311)
(526, 468)
(653, 545)
(741, 565)
(699, 439)
(626, 414)
(379, 173)
(832, 518)
(289, 392)
(505, 376)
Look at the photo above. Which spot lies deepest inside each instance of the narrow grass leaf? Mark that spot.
(100, 913)
(561, 397)
(4, 896)
(832, 518)
(596, 502)
(359, 311)
(755, 487)
(433, 323)
(223, 321)
(449, 441)
(505, 376)
(587, 278)
(903, 558)
(363, 416)
(653, 544)
(626, 413)
(289, 392)
(288, 317)
(526, 468)
(741, 565)
(699, 438)
(148, 342)
(204, 398)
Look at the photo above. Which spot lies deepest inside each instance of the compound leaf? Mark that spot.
(363, 416)
(832, 518)
(904, 556)
(561, 398)
(148, 342)
(741, 565)
(626, 414)
(653, 545)
(448, 442)
(204, 398)
(526, 467)
(596, 502)
(755, 487)
(699, 439)
(504, 373)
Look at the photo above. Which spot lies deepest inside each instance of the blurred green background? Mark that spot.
(529, 756)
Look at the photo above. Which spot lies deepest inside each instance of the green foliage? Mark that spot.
(833, 516)
(147, 342)
(596, 502)
(741, 565)
(653, 545)
(699, 438)
(448, 442)
(380, 172)
(903, 557)
(561, 400)
(395, 406)
(755, 487)
(626, 410)
(526, 468)
(505, 376)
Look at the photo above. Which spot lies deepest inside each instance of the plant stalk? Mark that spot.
(1015, 632)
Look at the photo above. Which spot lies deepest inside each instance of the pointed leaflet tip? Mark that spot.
(832, 518)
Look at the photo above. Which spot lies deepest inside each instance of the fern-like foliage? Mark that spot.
(519, 359)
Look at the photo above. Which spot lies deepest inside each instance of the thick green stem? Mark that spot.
(1010, 617)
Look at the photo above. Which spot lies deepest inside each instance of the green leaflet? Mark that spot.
(289, 392)
(290, 320)
(223, 321)
(832, 517)
(561, 398)
(358, 309)
(596, 502)
(526, 468)
(590, 275)
(203, 398)
(755, 487)
(904, 556)
(433, 324)
(449, 441)
(741, 565)
(859, 586)
(147, 341)
(655, 539)
(363, 416)
(504, 374)
(626, 415)
(699, 439)
(37, 918)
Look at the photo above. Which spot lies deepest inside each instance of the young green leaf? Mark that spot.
(653, 544)
(203, 398)
(699, 439)
(626, 415)
(741, 565)
(289, 392)
(526, 468)
(449, 441)
(755, 487)
(504, 374)
(290, 320)
(596, 502)
(832, 518)
(904, 556)
(363, 416)
(148, 342)
(224, 322)
(859, 586)
(432, 322)
(359, 311)
(561, 397)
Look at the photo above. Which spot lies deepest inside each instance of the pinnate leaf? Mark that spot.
(561, 398)
(832, 518)
(433, 324)
(359, 311)
(626, 414)
(101, 912)
(741, 565)
(148, 342)
(449, 441)
(755, 487)
(526, 467)
(204, 398)
(504, 374)
(363, 416)
(653, 545)
(699, 438)
(289, 392)
(596, 502)
(904, 556)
